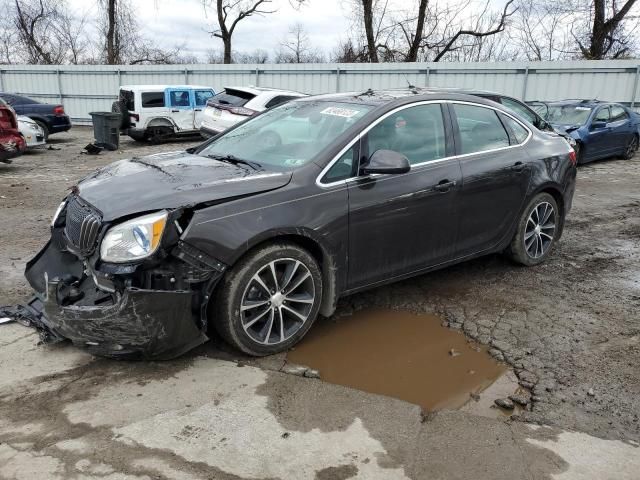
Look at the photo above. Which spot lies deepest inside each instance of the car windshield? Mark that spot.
(568, 114)
(540, 109)
(288, 136)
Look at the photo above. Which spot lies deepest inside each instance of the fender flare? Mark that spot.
(326, 257)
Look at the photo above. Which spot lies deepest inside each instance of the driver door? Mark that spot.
(180, 102)
(401, 223)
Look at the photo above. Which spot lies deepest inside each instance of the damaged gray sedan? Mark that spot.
(262, 228)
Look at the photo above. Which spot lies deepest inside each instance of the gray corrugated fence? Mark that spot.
(86, 88)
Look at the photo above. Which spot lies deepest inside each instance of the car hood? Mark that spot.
(565, 128)
(25, 119)
(171, 180)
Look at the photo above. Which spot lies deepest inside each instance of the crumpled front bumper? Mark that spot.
(135, 322)
(152, 324)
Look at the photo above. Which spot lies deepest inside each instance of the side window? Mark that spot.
(202, 96)
(480, 128)
(602, 115)
(520, 110)
(152, 99)
(416, 132)
(275, 101)
(618, 113)
(342, 169)
(519, 132)
(179, 98)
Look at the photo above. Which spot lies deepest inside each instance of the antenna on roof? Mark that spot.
(411, 87)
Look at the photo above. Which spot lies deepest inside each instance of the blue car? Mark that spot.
(601, 129)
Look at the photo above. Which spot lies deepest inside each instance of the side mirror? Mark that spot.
(598, 125)
(386, 161)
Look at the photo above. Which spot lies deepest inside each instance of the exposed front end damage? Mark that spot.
(155, 309)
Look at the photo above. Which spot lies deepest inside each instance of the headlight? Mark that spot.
(134, 239)
(57, 214)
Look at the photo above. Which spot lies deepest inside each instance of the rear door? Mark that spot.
(621, 129)
(200, 103)
(495, 175)
(399, 224)
(180, 102)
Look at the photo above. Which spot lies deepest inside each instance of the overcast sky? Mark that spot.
(176, 22)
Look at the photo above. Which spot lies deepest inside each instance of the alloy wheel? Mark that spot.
(540, 230)
(277, 301)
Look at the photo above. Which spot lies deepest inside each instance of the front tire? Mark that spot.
(537, 231)
(269, 300)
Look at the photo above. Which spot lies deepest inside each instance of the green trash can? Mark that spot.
(106, 129)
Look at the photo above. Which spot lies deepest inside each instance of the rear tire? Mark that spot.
(537, 231)
(160, 134)
(631, 148)
(269, 300)
(44, 128)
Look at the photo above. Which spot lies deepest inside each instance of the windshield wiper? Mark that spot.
(232, 159)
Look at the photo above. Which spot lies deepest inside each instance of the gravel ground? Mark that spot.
(570, 327)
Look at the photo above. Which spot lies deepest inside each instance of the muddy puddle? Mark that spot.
(399, 354)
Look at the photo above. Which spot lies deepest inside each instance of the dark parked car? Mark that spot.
(601, 129)
(12, 144)
(265, 226)
(50, 117)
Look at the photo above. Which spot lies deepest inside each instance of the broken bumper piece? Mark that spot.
(152, 324)
(86, 306)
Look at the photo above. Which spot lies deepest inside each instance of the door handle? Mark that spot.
(445, 185)
(518, 167)
(198, 109)
(175, 111)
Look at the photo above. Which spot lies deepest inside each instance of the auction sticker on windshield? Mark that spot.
(340, 112)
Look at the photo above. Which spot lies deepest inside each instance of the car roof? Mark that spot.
(399, 96)
(159, 88)
(259, 90)
(582, 103)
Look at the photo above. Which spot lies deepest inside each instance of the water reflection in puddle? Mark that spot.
(399, 354)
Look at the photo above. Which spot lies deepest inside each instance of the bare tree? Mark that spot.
(257, 56)
(497, 27)
(347, 52)
(36, 23)
(231, 12)
(604, 35)
(430, 30)
(296, 48)
(121, 40)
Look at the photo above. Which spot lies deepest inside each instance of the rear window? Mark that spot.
(280, 99)
(152, 99)
(231, 97)
(126, 96)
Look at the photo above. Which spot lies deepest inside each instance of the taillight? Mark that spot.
(247, 112)
(58, 110)
(135, 116)
(573, 158)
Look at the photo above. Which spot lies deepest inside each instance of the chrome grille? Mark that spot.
(82, 226)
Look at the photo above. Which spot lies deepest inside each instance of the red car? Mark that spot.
(12, 144)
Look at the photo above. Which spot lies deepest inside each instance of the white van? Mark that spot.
(161, 112)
